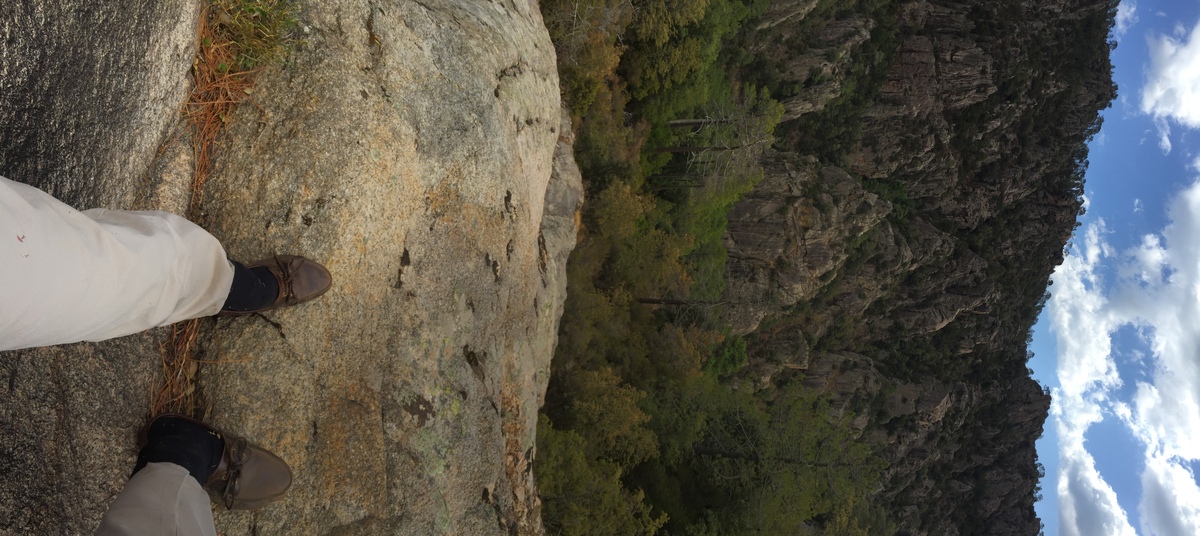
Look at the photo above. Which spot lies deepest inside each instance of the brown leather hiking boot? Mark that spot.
(300, 279)
(246, 477)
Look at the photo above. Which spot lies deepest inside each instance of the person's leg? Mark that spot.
(183, 464)
(73, 276)
(162, 498)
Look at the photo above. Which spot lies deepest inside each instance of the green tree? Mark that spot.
(727, 358)
(735, 465)
(676, 40)
(583, 496)
(604, 411)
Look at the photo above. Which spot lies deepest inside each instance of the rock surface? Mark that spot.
(416, 149)
(787, 237)
(408, 147)
(821, 70)
(89, 91)
(785, 10)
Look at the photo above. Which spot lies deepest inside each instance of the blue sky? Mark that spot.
(1119, 341)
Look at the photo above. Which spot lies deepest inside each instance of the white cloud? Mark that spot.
(1169, 499)
(1137, 206)
(1156, 290)
(1172, 89)
(1079, 322)
(1086, 372)
(1126, 17)
(1164, 141)
(1144, 263)
(1164, 134)
(1087, 504)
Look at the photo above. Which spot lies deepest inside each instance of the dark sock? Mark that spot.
(183, 443)
(252, 288)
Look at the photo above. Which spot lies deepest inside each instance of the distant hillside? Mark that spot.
(927, 177)
(817, 236)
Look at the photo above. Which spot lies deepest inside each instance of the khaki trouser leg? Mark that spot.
(68, 276)
(162, 498)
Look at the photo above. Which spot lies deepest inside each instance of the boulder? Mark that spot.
(408, 146)
(89, 91)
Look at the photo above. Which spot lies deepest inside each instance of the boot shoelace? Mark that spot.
(285, 279)
(239, 453)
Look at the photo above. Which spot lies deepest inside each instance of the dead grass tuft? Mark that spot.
(177, 393)
(237, 38)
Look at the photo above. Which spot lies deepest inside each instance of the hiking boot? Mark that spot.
(248, 477)
(297, 280)
(234, 472)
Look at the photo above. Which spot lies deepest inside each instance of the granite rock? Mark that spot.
(408, 146)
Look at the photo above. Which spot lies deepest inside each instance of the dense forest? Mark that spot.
(817, 235)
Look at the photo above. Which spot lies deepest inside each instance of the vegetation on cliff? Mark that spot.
(639, 433)
(848, 356)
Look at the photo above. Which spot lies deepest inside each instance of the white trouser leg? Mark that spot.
(69, 276)
(163, 499)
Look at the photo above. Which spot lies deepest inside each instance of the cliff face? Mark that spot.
(822, 211)
(900, 269)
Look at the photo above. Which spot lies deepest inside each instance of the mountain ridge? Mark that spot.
(917, 247)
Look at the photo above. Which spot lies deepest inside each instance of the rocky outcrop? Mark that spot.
(409, 147)
(787, 10)
(420, 152)
(802, 211)
(821, 68)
